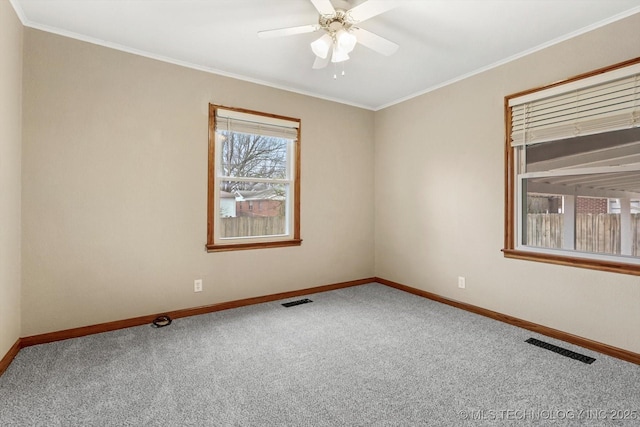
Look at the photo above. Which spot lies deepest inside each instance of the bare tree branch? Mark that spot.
(252, 156)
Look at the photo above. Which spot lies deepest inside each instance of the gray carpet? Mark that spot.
(366, 355)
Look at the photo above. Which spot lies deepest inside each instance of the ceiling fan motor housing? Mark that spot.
(336, 22)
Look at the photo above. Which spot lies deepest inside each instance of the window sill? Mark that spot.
(601, 265)
(247, 246)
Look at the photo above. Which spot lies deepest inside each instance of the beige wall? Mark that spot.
(10, 143)
(439, 198)
(115, 186)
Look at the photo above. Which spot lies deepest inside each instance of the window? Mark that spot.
(573, 171)
(253, 157)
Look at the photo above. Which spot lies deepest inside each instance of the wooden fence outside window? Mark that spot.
(598, 233)
(246, 226)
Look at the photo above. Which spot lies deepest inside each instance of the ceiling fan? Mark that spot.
(341, 32)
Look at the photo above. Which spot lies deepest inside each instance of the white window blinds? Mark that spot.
(602, 103)
(237, 121)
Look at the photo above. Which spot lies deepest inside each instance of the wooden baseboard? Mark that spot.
(175, 314)
(609, 350)
(11, 354)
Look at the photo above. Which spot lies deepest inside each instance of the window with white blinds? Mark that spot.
(254, 180)
(573, 171)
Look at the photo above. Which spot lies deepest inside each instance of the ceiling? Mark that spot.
(441, 41)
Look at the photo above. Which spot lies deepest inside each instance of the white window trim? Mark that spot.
(584, 255)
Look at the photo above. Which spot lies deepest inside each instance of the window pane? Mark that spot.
(544, 220)
(609, 149)
(250, 209)
(253, 156)
(576, 212)
(597, 230)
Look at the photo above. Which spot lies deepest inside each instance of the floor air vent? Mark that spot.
(563, 351)
(300, 301)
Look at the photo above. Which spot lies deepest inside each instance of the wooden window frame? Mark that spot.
(510, 228)
(264, 242)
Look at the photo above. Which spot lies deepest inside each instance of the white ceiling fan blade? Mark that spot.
(280, 32)
(369, 9)
(321, 62)
(324, 7)
(375, 42)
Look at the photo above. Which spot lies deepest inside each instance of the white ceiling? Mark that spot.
(440, 41)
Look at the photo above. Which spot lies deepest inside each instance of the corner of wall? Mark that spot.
(11, 55)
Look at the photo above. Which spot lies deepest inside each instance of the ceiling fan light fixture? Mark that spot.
(346, 41)
(321, 46)
(339, 55)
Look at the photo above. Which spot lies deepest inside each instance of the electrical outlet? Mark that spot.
(462, 283)
(197, 285)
